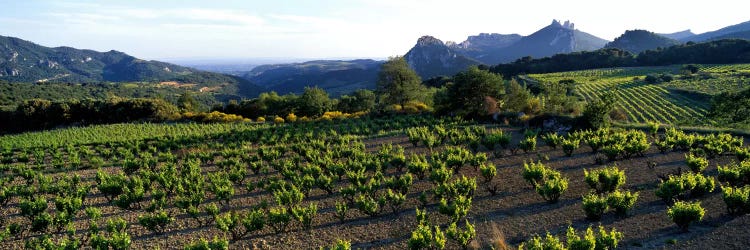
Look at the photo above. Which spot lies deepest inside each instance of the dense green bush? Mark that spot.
(156, 222)
(684, 213)
(683, 186)
(528, 144)
(456, 208)
(488, 171)
(279, 219)
(535, 173)
(340, 245)
(605, 180)
(591, 240)
(622, 201)
(594, 206)
(202, 244)
(462, 236)
(735, 174)
(696, 163)
(569, 146)
(737, 199)
(552, 140)
(424, 238)
(305, 215)
(551, 189)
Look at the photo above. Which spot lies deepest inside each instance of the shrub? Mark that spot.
(423, 238)
(594, 206)
(528, 144)
(535, 173)
(569, 146)
(394, 200)
(462, 237)
(32, 208)
(742, 153)
(552, 188)
(202, 244)
(552, 140)
(260, 119)
(341, 245)
(653, 127)
(605, 180)
(595, 142)
(278, 120)
(684, 213)
(737, 199)
(549, 242)
(291, 117)
(279, 219)
(417, 165)
(663, 145)
(590, 240)
(305, 215)
(341, 209)
(613, 150)
(576, 242)
(687, 184)
(156, 222)
(488, 172)
(367, 205)
(622, 201)
(41, 222)
(636, 143)
(254, 220)
(455, 209)
(697, 164)
(735, 174)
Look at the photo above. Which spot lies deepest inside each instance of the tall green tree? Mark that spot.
(475, 92)
(314, 102)
(397, 83)
(596, 112)
(517, 97)
(360, 100)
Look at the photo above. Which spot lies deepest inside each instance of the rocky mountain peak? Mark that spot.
(429, 41)
(566, 25)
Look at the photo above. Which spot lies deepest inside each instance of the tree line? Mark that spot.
(474, 93)
(726, 51)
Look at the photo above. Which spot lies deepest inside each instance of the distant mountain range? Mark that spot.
(24, 61)
(739, 31)
(446, 59)
(679, 35)
(637, 41)
(430, 57)
(335, 76)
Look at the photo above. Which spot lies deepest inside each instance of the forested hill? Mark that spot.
(715, 52)
(25, 61)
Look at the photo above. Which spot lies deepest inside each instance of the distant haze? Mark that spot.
(177, 30)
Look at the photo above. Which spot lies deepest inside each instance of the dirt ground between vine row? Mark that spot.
(516, 210)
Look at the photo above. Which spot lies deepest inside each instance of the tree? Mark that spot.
(186, 102)
(397, 83)
(596, 113)
(517, 97)
(361, 100)
(314, 102)
(471, 89)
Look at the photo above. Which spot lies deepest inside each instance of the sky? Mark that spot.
(320, 29)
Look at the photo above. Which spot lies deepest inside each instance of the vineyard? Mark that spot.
(684, 99)
(400, 182)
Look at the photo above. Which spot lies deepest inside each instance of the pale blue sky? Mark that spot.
(181, 29)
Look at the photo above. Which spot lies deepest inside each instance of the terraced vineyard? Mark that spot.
(673, 102)
(714, 79)
(367, 183)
